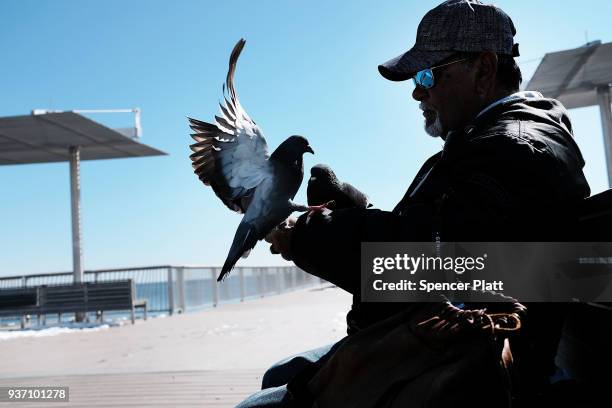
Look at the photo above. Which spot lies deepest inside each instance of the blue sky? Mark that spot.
(308, 68)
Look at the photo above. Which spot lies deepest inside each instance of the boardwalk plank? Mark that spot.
(214, 389)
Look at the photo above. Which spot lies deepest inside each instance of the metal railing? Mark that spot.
(184, 288)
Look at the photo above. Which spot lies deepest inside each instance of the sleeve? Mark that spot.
(329, 246)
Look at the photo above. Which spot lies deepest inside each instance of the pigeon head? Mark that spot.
(323, 172)
(292, 149)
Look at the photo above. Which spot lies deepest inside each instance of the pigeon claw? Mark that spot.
(320, 208)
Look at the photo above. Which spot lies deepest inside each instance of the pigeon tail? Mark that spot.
(244, 240)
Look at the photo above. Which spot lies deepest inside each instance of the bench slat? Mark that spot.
(84, 297)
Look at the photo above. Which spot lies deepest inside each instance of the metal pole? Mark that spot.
(170, 292)
(241, 284)
(603, 98)
(137, 125)
(75, 201)
(215, 286)
(260, 281)
(180, 281)
(75, 205)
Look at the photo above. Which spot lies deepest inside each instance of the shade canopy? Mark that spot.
(573, 76)
(48, 137)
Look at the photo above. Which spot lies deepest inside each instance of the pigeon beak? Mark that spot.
(309, 149)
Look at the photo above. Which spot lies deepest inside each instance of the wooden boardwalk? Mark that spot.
(212, 358)
(210, 389)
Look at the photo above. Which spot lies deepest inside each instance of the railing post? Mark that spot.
(215, 286)
(279, 288)
(242, 284)
(24, 281)
(260, 286)
(180, 281)
(293, 277)
(170, 292)
(264, 279)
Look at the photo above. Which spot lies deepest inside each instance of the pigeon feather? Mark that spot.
(231, 156)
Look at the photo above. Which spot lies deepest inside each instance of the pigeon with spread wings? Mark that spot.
(231, 156)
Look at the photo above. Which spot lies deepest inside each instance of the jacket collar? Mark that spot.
(510, 98)
(455, 138)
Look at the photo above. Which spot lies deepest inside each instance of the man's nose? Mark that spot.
(419, 93)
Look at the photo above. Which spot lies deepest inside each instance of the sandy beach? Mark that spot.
(210, 358)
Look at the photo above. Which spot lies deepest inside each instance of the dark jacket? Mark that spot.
(514, 174)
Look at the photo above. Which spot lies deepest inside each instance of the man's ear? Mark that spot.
(486, 73)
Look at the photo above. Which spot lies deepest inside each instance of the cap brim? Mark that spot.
(404, 66)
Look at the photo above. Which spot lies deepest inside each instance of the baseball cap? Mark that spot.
(454, 26)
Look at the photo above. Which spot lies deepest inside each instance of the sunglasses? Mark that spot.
(425, 77)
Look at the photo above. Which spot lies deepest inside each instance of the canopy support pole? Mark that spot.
(75, 201)
(603, 99)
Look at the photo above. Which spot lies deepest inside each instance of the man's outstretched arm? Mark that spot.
(329, 245)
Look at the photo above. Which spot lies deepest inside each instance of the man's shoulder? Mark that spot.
(532, 127)
(513, 140)
(525, 139)
(527, 152)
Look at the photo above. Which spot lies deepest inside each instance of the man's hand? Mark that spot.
(280, 238)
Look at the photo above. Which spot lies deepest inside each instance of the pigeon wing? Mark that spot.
(355, 196)
(230, 155)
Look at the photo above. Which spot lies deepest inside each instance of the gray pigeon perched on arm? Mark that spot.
(231, 156)
(324, 186)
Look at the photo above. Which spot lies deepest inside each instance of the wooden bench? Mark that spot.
(18, 302)
(84, 297)
(17, 298)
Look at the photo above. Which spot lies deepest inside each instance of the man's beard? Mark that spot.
(433, 129)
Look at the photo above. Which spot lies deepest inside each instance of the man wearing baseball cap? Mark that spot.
(509, 171)
(452, 27)
(455, 34)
